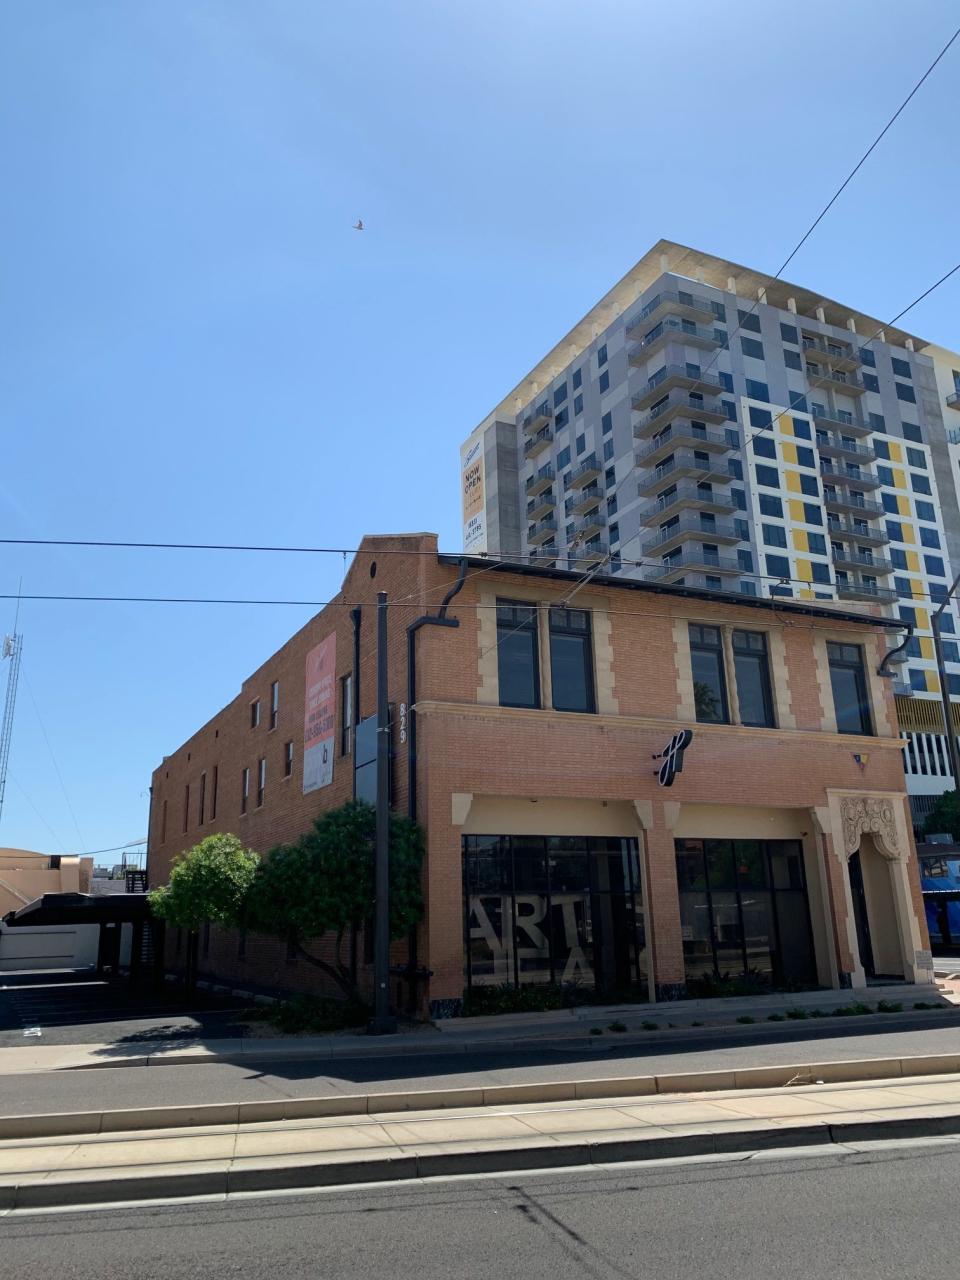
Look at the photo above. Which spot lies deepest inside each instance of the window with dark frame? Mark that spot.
(261, 780)
(752, 670)
(244, 789)
(203, 799)
(518, 662)
(849, 683)
(186, 807)
(287, 759)
(571, 660)
(709, 681)
(254, 713)
(274, 704)
(346, 715)
(213, 792)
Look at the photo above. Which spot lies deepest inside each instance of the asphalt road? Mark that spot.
(228, 1082)
(877, 1215)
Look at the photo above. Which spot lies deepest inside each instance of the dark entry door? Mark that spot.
(860, 915)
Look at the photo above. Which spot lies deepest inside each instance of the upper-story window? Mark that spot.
(849, 683)
(571, 660)
(346, 714)
(254, 713)
(752, 670)
(517, 658)
(709, 681)
(274, 703)
(749, 676)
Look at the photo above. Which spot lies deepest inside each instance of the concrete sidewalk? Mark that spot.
(567, 1029)
(392, 1145)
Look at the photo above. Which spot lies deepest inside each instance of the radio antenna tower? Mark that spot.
(11, 648)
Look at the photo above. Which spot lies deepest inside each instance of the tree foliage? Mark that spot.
(324, 883)
(211, 882)
(944, 816)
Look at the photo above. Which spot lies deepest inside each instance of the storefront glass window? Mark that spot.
(563, 909)
(744, 911)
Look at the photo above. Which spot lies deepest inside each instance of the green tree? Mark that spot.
(944, 816)
(323, 884)
(211, 882)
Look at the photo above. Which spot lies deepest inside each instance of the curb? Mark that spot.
(232, 1113)
(221, 1181)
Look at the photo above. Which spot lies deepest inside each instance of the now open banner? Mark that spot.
(319, 715)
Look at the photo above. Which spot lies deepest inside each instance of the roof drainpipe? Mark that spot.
(891, 654)
(411, 970)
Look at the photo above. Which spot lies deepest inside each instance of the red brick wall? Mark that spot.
(497, 753)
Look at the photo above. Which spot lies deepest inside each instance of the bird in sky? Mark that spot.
(358, 225)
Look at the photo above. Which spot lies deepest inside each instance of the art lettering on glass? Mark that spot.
(672, 757)
(319, 715)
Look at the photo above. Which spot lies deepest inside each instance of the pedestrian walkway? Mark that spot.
(217, 1159)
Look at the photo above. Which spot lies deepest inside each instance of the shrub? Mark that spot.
(889, 1006)
(796, 1015)
(649, 1026)
(312, 1015)
(775, 1017)
(745, 1017)
(596, 1031)
(617, 1026)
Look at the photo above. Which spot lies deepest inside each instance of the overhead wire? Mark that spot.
(56, 766)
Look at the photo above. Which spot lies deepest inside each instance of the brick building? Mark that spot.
(525, 746)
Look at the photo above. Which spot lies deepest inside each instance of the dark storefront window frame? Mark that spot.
(509, 845)
(751, 647)
(767, 848)
(707, 642)
(847, 660)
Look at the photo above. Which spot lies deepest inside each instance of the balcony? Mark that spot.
(954, 400)
(537, 419)
(542, 531)
(845, 556)
(840, 421)
(583, 498)
(678, 406)
(541, 505)
(825, 352)
(851, 503)
(590, 553)
(852, 477)
(682, 465)
(671, 330)
(670, 302)
(874, 534)
(683, 433)
(836, 447)
(684, 497)
(865, 591)
(695, 559)
(672, 377)
(588, 470)
(848, 383)
(536, 444)
(540, 480)
(588, 527)
(687, 527)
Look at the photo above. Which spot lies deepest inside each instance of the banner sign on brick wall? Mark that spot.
(319, 715)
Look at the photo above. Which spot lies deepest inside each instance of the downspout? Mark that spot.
(426, 620)
(356, 616)
(889, 656)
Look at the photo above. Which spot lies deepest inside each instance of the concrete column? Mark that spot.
(821, 315)
(851, 324)
(849, 969)
(792, 305)
(731, 284)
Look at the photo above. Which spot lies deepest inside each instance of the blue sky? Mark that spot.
(197, 347)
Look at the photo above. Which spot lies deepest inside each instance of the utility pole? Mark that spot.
(382, 1023)
(948, 725)
(12, 648)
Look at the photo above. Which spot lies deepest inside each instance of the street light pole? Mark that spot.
(382, 1023)
(953, 753)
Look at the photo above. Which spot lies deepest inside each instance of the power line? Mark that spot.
(809, 231)
(866, 155)
(20, 787)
